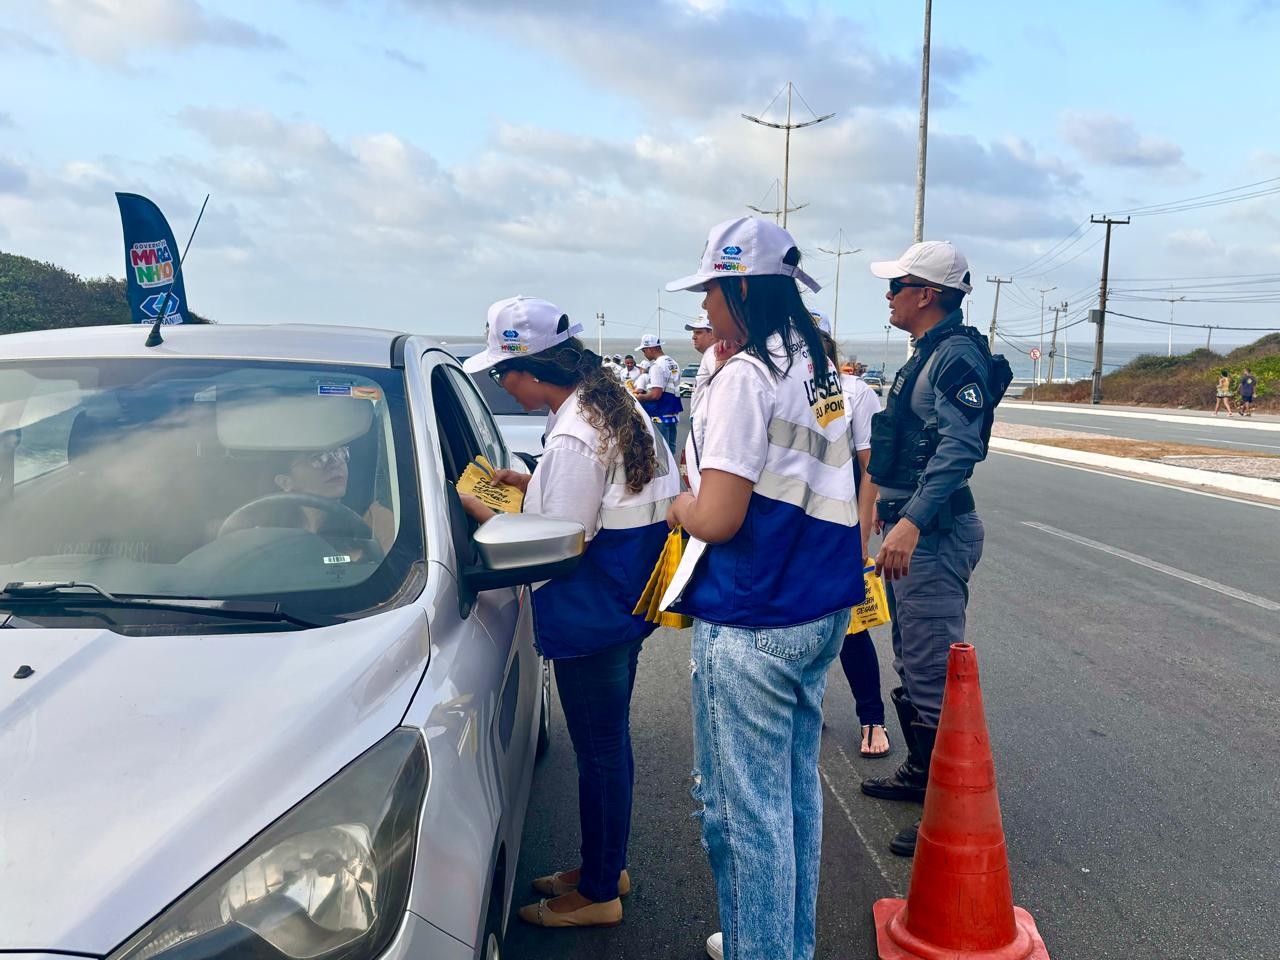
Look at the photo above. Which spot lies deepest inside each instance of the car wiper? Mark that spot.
(73, 591)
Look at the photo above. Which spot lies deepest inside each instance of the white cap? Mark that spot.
(937, 261)
(520, 327)
(649, 341)
(702, 323)
(745, 247)
(821, 320)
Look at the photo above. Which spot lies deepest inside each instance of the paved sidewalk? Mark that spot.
(1260, 421)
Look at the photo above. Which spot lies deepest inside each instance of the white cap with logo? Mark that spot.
(703, 322)
(745, 247)
(937, 261)
(649, 341)
(521, 327)
(821, 320)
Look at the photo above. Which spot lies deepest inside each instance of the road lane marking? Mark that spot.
(1080, 426)
(1150, 564)
(1240, 443)
(1125, 476)
(848, 815)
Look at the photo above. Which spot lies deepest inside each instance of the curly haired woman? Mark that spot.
(603, 469)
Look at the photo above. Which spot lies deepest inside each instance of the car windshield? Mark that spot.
(211, 479)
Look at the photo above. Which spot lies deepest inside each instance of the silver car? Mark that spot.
(266, 691)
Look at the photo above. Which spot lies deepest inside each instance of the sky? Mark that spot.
(404, 163)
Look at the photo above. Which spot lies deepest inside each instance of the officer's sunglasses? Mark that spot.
(897, 286)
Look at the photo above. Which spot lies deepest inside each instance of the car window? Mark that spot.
(486, 431)
(210, 479)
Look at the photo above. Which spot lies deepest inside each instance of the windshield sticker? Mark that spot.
(366, 393)
(207, 395)
(333, 389)
(340, 558)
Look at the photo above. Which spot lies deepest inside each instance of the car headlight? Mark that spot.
(327, 881)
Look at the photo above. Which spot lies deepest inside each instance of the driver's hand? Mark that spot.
(476, 510)
(513, 478)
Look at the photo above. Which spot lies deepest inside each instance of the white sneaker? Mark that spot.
(715, 946)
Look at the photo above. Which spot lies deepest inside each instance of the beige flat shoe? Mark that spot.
(556, 886)
(607, 914)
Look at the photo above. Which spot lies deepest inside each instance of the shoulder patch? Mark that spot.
(965, 387)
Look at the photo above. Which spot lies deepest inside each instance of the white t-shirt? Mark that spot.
(569, 482)
(861, 404)
(706, 367)
(665, 373)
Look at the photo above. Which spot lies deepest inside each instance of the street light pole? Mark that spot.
(839, 253)
(923, 142)
(884, 370)
(600, 334)
(1042, 293)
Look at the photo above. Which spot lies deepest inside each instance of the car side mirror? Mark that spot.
(519, 548)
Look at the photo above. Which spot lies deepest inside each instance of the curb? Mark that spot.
(1255, 488)
(1103, 410)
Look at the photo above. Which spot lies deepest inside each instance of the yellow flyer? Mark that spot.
(478, 481)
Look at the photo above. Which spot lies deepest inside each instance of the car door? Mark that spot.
(467, 430)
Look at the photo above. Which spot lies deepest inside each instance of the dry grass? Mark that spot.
(1142, 449)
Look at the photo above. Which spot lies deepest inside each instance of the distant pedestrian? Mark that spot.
(1248, 384)
(660, 397)
(1224, 393)
(773, 499)
(704, 339)
(605, 469)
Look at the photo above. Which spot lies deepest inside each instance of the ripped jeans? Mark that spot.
(757, 724)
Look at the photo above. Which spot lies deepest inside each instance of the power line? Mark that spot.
(1217, 198)
(1199, 326)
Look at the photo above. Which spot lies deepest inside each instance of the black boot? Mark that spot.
(908, 781)
(904, 841)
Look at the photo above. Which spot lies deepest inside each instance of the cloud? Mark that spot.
(404, 60)
(711, 58)
(17, 42)
(1113, 141)
(109, 32)
(13, 179)
(6, 121)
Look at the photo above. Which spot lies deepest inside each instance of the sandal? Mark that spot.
(865, 747)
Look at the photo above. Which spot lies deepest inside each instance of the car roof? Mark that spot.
(319, 343)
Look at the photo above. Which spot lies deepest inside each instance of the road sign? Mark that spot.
(1035, 353)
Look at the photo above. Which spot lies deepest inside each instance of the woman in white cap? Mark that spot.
(602, 468)
(774, 500)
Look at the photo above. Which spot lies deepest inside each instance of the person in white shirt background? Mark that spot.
(704, 341)
(773, 499)
(604, 468)
(660, 396)
(858, 653)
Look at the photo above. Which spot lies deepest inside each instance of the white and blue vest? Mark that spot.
(798, 555)
(590, 609)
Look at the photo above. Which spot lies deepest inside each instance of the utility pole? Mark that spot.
(991, 338)
(1042, 293)
(659, 314)
(1172, 301)
(923, 145)
(1101, 313)
(884, 370)
(839, 253)
(600, 334)
(1053, 342)
(786, 150)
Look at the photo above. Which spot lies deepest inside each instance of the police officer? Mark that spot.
(924, 446)
(660, 397)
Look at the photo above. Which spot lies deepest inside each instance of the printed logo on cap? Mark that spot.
(511, 334)
(731, 251)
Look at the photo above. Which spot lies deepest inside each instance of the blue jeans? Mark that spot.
(595, 692)
(668, 432)
(757, 721)
(862, 670)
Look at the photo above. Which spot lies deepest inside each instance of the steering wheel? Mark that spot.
(346, 523)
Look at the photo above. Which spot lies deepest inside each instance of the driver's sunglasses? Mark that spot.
(318, 461)
(897, 286)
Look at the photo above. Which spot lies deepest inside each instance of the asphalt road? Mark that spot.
(1198, 434)
(1134, 718)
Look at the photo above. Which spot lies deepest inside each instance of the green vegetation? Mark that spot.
(41, 296)
(1188, 380)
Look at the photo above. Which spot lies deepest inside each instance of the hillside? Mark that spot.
(1186, 381)
(40, 296)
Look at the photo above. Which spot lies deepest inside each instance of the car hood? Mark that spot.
(130, 767)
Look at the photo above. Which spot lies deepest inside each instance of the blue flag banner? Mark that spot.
(151, 263)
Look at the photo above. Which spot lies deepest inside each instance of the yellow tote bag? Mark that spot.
(663, 572)
(874, 610)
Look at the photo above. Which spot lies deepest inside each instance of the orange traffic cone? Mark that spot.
(960, 904)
